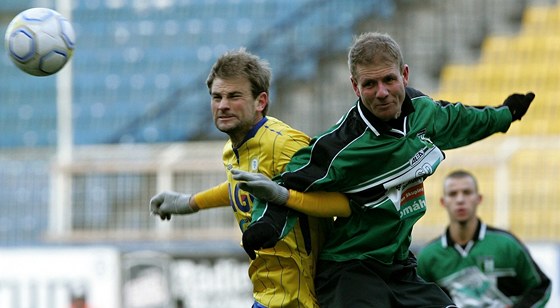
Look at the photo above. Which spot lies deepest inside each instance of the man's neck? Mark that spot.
(462, 232)
(239, 136)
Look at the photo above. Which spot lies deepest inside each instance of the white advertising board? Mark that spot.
(547, 256)
(60, 278)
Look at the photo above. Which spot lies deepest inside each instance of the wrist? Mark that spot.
(282, 196)
(183, 204)
(192, 204)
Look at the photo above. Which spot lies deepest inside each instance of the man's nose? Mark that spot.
(381, 90)
(223, 103)
(460, 197)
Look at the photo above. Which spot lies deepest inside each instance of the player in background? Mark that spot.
(239, 88)
(478, 265)
(379, 154)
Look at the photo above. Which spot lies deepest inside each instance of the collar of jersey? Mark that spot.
(253, 131)
(478, 235)
(381, 126)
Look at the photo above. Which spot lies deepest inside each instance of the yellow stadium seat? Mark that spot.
(542, 19)
(525, 62)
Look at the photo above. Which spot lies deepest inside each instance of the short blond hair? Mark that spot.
(374, 47)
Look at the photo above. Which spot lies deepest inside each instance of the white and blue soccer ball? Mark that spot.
(40, 41)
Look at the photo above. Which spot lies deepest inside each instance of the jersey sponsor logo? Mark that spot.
(413, 192)
(416, 157)
(412, 200)
(417, 206)
(241, 203)
(425, 169)
(240, 200)
(424, 162)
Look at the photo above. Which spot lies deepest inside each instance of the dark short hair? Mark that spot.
(459, 174)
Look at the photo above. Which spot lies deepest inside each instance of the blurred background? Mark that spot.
(83, 151)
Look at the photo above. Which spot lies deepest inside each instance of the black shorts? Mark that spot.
(368, 283)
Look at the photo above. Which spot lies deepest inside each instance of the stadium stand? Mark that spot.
(523, 61)
(139, 68)
(139, 71)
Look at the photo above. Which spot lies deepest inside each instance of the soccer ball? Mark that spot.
(40, 41)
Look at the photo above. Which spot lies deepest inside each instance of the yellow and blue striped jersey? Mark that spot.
(282, 276)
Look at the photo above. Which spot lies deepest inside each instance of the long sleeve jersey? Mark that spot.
(281, 276)
(381, 167)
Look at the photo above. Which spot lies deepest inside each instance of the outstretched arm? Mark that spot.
(319, 204)
(518, 104)
(168, 203)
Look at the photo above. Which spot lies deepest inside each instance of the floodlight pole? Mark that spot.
(60, 208)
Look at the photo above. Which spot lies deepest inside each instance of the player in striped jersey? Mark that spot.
(379, 154)
(478, 265)
(282, 276)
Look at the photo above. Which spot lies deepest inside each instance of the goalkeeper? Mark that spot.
(378, 154)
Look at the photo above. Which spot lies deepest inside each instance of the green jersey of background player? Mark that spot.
(478, 265)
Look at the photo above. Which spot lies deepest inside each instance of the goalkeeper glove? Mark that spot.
(266, 231)
(259, 235)
(518, 104)
(261, 187)
(167, 203)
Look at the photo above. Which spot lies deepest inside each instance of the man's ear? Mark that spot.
(405, 75)
(262, 101)
(355, 86)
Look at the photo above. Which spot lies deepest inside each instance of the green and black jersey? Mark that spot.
(494, 269)
(381, 167)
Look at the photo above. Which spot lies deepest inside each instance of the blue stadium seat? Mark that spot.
(139, 76)
(135, 68)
